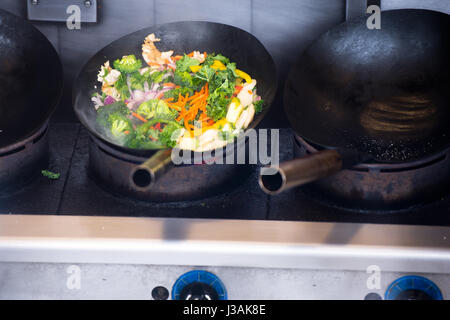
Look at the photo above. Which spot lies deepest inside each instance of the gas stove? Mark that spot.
(72, 238)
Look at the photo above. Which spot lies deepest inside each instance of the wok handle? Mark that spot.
(143, 176)
(300, 171)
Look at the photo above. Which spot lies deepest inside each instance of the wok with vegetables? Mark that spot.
(193, 85)
(195, 101)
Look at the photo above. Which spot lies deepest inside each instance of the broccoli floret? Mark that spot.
(119, 125)
(146, 109)
(155, 108)
(113, 119)
(170, 134)
(104, 112)
(147, 137)
(141, 138)
(128, 64)
(137, 81)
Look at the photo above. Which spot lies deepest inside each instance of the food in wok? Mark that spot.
(195, 101)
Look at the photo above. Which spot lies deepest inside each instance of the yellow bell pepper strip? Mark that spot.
(218, 65)
(219, 124)
(243, 75)
(195, 68)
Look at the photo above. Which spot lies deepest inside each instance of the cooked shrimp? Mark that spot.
(152, 55)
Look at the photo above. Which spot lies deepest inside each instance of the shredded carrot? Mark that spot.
(191, 107)
(191, 54)
(176, 58)
(134, 114)
(160, 95)
(169, 84)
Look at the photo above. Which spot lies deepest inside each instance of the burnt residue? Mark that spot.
(382, 186)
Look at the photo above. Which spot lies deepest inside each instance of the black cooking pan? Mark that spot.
(369, 95)
(234, 43)
(30, 79)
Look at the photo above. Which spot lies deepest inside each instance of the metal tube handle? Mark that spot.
(143, 176)
(300, 171)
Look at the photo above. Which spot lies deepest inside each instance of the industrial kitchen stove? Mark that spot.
(71, 239)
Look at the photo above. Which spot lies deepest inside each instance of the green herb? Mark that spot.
(185, 63)
(258, 105)
(122, 87)
(157, 76)
(174, 93)
(50, 175)
(170, 134)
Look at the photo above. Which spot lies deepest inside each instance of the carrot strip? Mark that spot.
(138, 116)
(160, 95)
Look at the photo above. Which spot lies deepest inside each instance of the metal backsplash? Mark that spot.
(285, 28)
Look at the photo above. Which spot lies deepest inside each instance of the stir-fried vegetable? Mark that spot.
(128, 64)
(195, 101)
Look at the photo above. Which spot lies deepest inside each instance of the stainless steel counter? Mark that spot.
(34, 248)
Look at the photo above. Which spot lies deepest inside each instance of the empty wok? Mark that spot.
(363, 95)
(30, 79)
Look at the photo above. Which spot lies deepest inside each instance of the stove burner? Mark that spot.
(111, 169)
(22, 161)
(380, 186)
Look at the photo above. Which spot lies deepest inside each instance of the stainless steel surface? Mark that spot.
(355, 8)
(436, 5)
(56, 10)
(233, 243)
(105, 281)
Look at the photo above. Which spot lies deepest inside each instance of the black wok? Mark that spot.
(30, 79)
(239, 45)
(369, 95)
